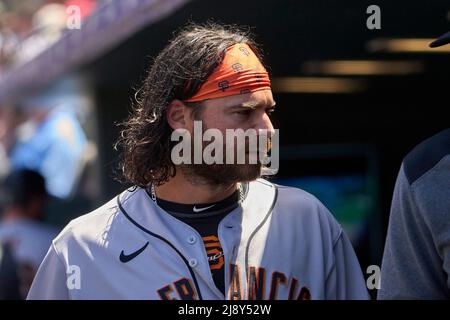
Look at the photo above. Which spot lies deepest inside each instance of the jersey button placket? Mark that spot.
(193, 263)
(192, 239)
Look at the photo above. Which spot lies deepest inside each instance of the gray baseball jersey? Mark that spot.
(416, 259)
(29, 240)
(280, 243)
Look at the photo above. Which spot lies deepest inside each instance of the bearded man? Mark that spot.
(195, 229)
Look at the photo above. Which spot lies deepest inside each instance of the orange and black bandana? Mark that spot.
(240, 72)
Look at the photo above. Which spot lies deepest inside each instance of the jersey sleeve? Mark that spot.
(411, 267)
(345, 281)
(50, 282)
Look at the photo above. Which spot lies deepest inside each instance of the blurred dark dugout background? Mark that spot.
(351, 101)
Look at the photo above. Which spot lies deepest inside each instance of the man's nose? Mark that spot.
(264, 123)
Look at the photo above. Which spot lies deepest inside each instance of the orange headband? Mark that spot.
(240, 72)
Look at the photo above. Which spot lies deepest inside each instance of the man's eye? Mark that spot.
(270, 111)
(244, 113)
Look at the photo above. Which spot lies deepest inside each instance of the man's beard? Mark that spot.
(218, 174)
(221, 174)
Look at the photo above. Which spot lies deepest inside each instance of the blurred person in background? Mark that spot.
(16, 25)
(416, 260)
(9, 280)
(22, 201)
(47, 26)
(51, 141)
(6, 124)
(29, 27)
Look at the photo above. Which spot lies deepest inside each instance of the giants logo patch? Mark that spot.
(214, 252)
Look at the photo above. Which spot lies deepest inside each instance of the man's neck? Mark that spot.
(181, 190)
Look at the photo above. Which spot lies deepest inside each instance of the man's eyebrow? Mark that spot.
(252, 105)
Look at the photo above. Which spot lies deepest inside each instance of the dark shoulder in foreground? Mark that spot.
(426, 155)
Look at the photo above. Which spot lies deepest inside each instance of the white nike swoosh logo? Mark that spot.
(202, 209)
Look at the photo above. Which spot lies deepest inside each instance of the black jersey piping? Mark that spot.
(269, 212)
(194, 278)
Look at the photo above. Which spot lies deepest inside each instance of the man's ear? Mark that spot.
(177, 114)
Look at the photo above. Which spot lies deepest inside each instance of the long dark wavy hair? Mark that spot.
(177, 72)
